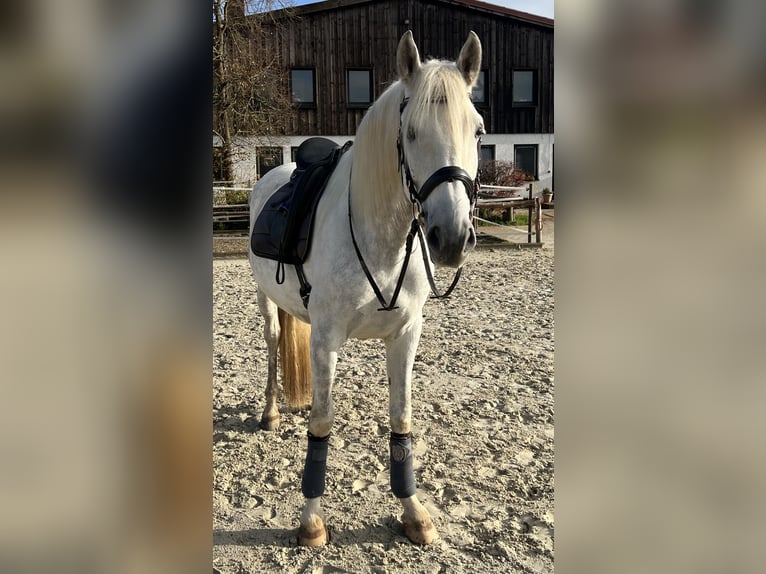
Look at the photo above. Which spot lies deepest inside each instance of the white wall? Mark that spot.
(245, 164)
(245, 159)
(504, 152)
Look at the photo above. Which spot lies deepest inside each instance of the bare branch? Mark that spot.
(250, 95)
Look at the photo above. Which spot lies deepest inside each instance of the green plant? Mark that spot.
(520, 218)
(499, 216)
(234, 197)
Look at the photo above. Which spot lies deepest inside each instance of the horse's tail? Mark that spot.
(296, 360)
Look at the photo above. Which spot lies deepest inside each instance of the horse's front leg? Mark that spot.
(400, 357)
(324, 357)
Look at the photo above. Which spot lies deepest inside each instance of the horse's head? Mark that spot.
(439, 138)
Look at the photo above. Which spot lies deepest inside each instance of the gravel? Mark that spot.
(483, 437)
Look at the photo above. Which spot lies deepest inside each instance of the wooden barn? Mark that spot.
(339, 55)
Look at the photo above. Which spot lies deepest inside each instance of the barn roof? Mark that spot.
(473, 4)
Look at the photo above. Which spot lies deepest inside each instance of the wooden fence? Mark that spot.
(234, 219)
(534, 205)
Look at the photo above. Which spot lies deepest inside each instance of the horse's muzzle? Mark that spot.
(450, 247)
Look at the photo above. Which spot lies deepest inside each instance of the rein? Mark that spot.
(417, 197)
(414, 228)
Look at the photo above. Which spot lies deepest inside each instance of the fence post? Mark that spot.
(538, 218)
(529, 218)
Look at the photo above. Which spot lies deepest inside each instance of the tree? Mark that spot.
(250, 89)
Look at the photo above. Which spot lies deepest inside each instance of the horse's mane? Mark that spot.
(376, 175)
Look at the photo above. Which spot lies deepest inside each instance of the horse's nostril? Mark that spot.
(434, 239)
(470, 243)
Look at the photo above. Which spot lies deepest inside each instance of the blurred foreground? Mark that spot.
(661, 128)
(105, 337)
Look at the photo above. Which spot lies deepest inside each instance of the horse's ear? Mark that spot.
(469, 61)
(407, 57)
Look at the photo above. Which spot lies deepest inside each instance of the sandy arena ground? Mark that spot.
(483, 436)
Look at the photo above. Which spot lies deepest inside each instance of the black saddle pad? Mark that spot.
(283, 229)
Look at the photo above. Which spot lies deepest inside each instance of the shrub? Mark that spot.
(502, 216)
(234, 197)
(494, 172)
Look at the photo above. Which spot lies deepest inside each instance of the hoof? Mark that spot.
(420, 531)
(314, 537)
(269, 423)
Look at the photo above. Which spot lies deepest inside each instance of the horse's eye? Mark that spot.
(480, 132)
(410, 133)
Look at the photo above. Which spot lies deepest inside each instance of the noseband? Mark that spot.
(417, 197)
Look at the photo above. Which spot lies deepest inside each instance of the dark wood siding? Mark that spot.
(365, 34)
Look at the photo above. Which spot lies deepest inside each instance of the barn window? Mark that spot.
(303, 87)
(487, 153)
(525, 158)
(268, 159)
(359, 82)
(486, 160)
(479, 91)
(524, 88)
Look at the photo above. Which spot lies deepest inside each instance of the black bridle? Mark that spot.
(445, 174)
(417, 197)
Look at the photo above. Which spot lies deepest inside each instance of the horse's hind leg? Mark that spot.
(400, 357)
(269, 311)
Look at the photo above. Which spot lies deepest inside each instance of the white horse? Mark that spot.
(413, 164)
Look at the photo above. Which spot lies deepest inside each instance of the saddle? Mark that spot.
(283, 229)
(284, 226)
